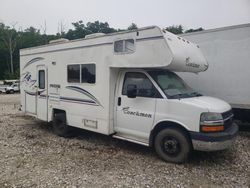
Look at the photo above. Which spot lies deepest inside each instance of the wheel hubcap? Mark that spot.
(171, 146)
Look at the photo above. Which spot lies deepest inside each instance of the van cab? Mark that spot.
(156, 107)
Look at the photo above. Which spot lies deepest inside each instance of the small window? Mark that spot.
(145, 87)
(129, 46)
(74, 73)
(124, 46)
(41, 79)
(88, 73)
(118, 46)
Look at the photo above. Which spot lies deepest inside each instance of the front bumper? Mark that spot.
(214, 141)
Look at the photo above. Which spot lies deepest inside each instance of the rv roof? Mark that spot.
(61, 40)
(88, 38)
(93, 35)
(173, 52)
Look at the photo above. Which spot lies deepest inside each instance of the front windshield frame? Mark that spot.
(185, 92)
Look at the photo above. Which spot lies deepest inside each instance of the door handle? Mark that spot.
(38, 92)
(119, 101)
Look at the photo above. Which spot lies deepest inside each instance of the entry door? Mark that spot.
(42, 93)
(135, 116)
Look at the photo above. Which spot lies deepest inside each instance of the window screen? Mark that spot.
(129, 45)
(124, 46)
(74, 73)
(118, 46)
(41, 79)
(145, 88)
(88, 73)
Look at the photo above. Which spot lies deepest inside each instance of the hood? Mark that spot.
(210, 103)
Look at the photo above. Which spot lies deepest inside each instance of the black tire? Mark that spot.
(60, 126)
(12, 91)
(172, 145)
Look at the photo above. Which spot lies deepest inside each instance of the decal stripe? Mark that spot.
(80, 90)
(32, 61)
(64, 99)
(42, 96)
(30, 93)
(91, 101)
(78, 100)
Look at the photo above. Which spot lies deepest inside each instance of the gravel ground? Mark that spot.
(32, 156)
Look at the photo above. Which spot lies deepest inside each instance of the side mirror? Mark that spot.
(131, 91)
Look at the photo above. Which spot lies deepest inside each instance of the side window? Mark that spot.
(84, 73)
(129, 45)
(145, 88)
(41, 79)
(74, 73)
(88, 73)
(124, 46)
(118, 46)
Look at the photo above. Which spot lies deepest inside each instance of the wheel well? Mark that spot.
(241, 114)
(166, 124)
(57, 111)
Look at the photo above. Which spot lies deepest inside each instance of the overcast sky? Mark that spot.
(120, 14)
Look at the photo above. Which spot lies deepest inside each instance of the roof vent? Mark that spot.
(94, 35)
(61, 40)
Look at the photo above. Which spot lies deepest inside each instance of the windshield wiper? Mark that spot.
(195, 94)
(185, 95)
(178, 96)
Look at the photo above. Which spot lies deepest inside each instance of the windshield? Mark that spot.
(172, 85)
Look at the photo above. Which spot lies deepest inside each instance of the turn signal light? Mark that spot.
(216, 128)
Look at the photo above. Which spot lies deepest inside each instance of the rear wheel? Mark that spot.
(12, 92)
(60, 126)
(172, 145)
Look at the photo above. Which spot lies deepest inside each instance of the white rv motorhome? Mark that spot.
(123, 85)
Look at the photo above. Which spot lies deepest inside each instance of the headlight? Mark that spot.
(211, 122)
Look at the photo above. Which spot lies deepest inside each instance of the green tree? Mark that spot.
(9, 37)
(4, 65)
(194, 30)
(81, 30)
(11, 41)
(99, 27)
(132, 26)
(175, 29)
(30, 37)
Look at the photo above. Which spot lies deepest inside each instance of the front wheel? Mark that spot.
(172, 145)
